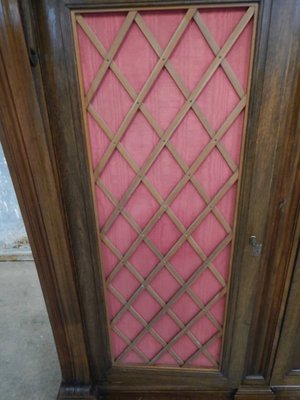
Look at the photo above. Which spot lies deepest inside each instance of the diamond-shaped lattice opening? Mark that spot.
(117, 343)
(140, 139)
(201, 359)
(232, 139)
(218, 94)
(121, 234)
(197, 61)
(142, 205)
(165, 173)
(206, 286)
(136, 62)
(225, 204)
(209, 234)
(223, 17)
(184, 347)
(186, 261)
(164, 234)
(133, 358)
(203, 329)
(107, 30)
(99, 141)
(91, 59)
(239, 58)
(146, 306)
(221, 262)
(164, 100)
(188, 205)
(217, 310)
(108, 258)
(129, 325)
(117, 175)
(166, 327)
(125, 283)
(185, 308)
(111, 95)
(143, 260)
(213, 173)
(114, 305)
(190, 138)
(104, 206)
(168, 23)
(149, 345)
(164, 284)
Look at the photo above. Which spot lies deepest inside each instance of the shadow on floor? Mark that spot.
(29, 366)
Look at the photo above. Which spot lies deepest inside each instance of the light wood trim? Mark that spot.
(110, 55)
(145, 90)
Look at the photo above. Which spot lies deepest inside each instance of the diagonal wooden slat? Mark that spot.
(151, 291)
(175, 319)
(195, 319)
(170, 147)
(152, 331)
(215, 49)
(176, 121)
(199, 220)
(189, 171)
(183, 88)
(144, 323)
(155, 295)
(160, 256)
(109, 56)
(177, 295)
(214, 254)
(217, 336)
(158, 198)
(173, 250)
(126, 339)
(145, 90)
(173, 195)
(149, 117)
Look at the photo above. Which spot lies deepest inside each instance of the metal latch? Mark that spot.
(255, 246)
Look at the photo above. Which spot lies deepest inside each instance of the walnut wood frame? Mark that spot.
(41, 132)
(211, 203)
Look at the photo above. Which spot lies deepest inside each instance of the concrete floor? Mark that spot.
(29, 367)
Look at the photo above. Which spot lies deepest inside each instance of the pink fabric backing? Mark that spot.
(191, 58)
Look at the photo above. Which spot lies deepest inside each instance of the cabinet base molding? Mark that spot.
(169, 395)
(76, 392)
(287, 393)
(254, 393)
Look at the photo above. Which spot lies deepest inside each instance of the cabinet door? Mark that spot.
(165, 94)
(159, 143)
(286, 372)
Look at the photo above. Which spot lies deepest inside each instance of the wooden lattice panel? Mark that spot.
(165, 94)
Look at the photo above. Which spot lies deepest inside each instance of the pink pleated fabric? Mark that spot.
(167, 284)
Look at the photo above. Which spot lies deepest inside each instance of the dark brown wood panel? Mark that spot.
(287, 368)
(280, 118)
(60, 79)
(24, 142)
(48, 160)
(55, 44)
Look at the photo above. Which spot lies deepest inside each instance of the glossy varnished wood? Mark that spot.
(280, 119)
(67, 138)
(48, 159)
(25, 147)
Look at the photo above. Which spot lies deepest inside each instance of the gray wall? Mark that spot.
(13, 238)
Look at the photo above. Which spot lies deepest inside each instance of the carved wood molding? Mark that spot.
(23, 137)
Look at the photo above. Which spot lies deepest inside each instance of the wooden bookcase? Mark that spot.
(45, 107)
